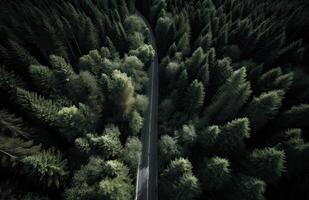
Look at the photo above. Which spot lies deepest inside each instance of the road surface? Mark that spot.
(147, 174)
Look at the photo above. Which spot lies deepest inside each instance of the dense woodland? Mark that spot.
(73, 80)
(233, 109)
(234, 94)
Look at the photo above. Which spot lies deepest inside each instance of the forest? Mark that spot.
(233, 108)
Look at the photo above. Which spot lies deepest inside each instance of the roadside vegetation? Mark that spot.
(233, 114)
(233, 103)
(73, 78)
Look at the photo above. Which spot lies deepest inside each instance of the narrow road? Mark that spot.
(147, 174)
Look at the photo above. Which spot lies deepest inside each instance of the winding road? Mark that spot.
(147, 174)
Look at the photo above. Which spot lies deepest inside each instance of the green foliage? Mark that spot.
(194, 99)
(178, 181)
(229, 99)
(100, 179)
(136, 122)
(13, 125)
(37, 107)
(168, 149)
(48, 165)
(249, 59)
(122, 89)
(208, 136)
(43, 78)
(267, 164)
(145, 53)
(12, 148)
(107, 145)
(214, 173)
(245, 187)
(70, 68)
(231, 138)
(194, 63)
(186, 136)
(73, 122)
(131, 153)
(295, 116)
(162, 31)
(263, 108)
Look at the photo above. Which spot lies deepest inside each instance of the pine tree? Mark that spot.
(122, 89)
(48, 165)
(263, 108)
(214, 173)
(194, 63)
(294, 117)
(19, 56)
(62, 70)
(267, 164)
(145, 53)
(107, 146)
(194, 99)
(208, 137)
(162, 29)
(168, 149)
(136, 122)
(37, 107)
(229, 98)
(185, 186)
(232, 135)
(131, 153)
(274, 79)
(44, 79)
(100, 179)
(245, 187)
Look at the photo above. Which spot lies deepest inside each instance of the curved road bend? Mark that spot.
(147, 174)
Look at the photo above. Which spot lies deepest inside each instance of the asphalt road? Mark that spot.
(147, 175)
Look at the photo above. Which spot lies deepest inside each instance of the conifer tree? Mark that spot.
(229, 98)
(122, 89)
(231, 138)
(194, 97)
(185, 186)
(263, 108)
(168, 149)
(268, 164)
(131, 153)
(48, 165)
(214, 173)
(136, 122)
(37, 107)
(245, 187)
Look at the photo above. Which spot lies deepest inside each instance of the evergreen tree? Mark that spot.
(245, 187)
(37, 107)
(107, 145)
(178, 181)
(131, 153)
(194, 97)
(214, 173)
(122, 89)
(232, 135)
(229, 98)
(294, 116)
(194, 63)
(168, 149)
(136, 122)
(263, 108)
(268, 164)
(48, 165)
